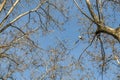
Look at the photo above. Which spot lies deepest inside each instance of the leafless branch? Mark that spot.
(2, 5)
(91, 11)
(11, 9)
(87, 46)
(82, 11)
(21, 15)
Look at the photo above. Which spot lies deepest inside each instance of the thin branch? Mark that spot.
(103, 56)
(87, 46)
(91, 11)
(2, 5)
(101, 11)
(3, 55)
(11, 9)
(50, 17)
(25, 35)
(102, 48)
(17, 29)
(97, 4)
(82, 11)
(21, 15)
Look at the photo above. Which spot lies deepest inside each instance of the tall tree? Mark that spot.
(41, 39)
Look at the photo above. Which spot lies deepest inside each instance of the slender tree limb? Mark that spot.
(11, 9)
(104, 61)
(87, 46)
(101, 10)
(91, 11)
(21, 15)
(2, 5)
(82, 11)
(4, 55)
(97, 5)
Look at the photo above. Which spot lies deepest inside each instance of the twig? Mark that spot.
(11, 9)
(2, 5)
(87, 47)
(21, 15)
(82, 11)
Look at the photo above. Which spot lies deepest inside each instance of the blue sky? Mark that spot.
(75, 26)
(71, 30)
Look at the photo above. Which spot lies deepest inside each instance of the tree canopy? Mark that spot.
(59, 39)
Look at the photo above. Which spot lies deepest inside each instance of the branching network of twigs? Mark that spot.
(4, 26)
(98, 19)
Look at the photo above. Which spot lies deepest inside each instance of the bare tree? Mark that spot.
(31, 46)
(102, 31)
(22, 25)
